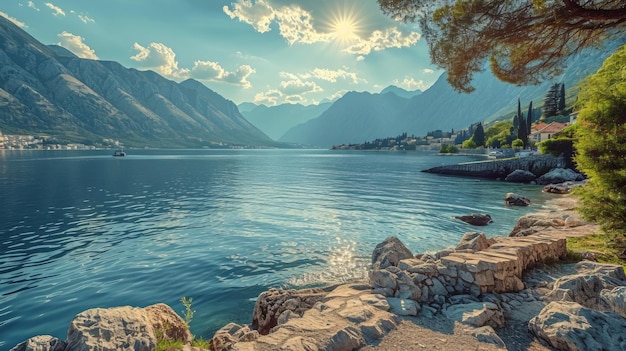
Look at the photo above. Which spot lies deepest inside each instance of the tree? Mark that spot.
(529, 117)
(601, 144)
(479, 135)
(550, 103)
(561, 100)
(525, 41)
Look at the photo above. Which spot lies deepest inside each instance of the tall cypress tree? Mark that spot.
(479, 135)
(550, 103)
(529, 117)
(561, 102)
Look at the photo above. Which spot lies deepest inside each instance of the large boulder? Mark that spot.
(474, 241)
(592, 287)
(389, 253)
(274, 302)
(570, 326)
(513, 199)
(559, 175)
(520, 176)
(125, 328)
(480, 219)
(533, 222)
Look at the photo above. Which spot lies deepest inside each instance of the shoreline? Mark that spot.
(387, 325)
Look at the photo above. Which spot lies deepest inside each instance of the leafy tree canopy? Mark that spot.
(601, 143)
(525, 41)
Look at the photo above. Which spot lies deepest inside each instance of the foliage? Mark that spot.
(524, 41)
(554, 102)
(499, 135)
(479, 135)
(601, 143)
(469, 144)
(448, 149)
(188, 313)
(517, 144)
(606, 248)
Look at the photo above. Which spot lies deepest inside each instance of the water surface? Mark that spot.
(83, 229)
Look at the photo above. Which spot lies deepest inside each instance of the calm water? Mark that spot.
(80, 230)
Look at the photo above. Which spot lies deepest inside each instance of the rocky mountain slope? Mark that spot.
(49, 91)
(359, 117)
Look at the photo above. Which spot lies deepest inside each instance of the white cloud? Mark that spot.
(270, 97)
(428, 71)
(259, 14)
(33, 6)
(294, 23)
(55, 9)
(75, 44)
(297, 86)
(14, 20)
(86, 19)
(360, 58)
(381, 40)
(333, 75)
(337, 95)
(409, 83)
(160, 58)
(297, 25)
(209, 70)
(295, 99)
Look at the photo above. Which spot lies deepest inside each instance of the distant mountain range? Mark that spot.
(360, 117)
(276, 120)
(46, 90)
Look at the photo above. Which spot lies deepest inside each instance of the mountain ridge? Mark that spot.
(46, 90)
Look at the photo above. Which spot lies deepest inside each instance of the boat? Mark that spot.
(119, 153)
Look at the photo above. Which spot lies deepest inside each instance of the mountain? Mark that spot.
(47, 90)
(276, 120)
(401, 92)
(354, 118)
(359, 117)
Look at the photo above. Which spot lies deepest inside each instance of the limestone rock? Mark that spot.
(229, 335)
(41, 343)
(480, 219)
(477, 314)
(520, 176)
(587, 287)
(124, 328)
(556, 189)
(570, 326)
(532, 223)
(473, 241)
(614, 300)
(559, 175)
(404, 307)
(272, 303)
(488, 335)
(389, 253)
(513, 199)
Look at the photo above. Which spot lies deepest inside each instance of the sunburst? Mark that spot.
(344, 26)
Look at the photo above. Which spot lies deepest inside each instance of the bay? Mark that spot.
(83, 229)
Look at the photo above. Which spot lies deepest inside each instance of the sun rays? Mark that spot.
(344, 26)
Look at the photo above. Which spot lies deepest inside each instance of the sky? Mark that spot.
(262, 51)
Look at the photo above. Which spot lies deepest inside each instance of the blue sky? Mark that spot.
(262, 51)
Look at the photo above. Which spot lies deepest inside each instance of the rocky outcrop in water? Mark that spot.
(479, 219)
(512, 199)
(499, 169)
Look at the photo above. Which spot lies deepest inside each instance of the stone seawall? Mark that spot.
(494, 169)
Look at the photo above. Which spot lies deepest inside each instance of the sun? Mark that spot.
(344, 29)
(344, 26)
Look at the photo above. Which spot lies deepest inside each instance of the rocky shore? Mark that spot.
(517, 293)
